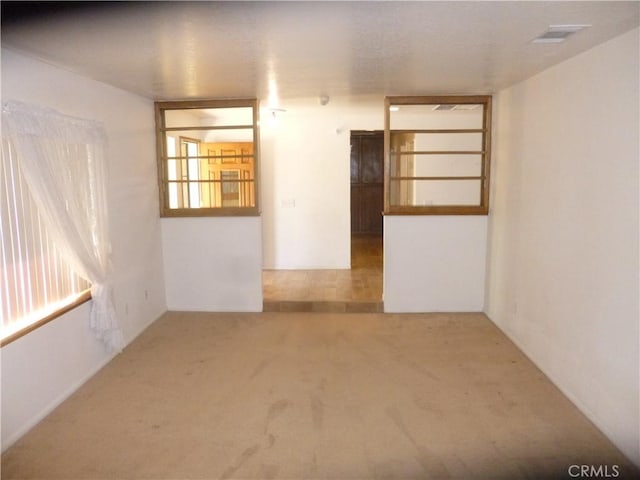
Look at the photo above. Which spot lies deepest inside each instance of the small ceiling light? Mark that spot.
(394, 109)
(558, 33)
(324, 99)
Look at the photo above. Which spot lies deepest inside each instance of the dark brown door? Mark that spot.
(367, 152)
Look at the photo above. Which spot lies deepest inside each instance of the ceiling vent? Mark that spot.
(452, 106)
(467, 106)
(558, 33)
(446, 107)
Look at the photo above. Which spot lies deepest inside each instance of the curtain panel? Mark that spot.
(62, 160)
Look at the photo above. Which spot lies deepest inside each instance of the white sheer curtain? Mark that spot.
(62, 161)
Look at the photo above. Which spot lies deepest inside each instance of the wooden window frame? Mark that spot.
(83, 297)
(483, 207)
(161, 129)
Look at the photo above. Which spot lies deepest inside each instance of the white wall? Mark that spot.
(213, 263)
(42, 368)
(306, 180)
(563, 245)
(434, 263)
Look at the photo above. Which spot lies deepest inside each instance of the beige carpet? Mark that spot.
(322, 396)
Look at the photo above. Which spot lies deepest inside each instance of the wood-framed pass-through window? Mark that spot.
(208, 157)
(437, 155)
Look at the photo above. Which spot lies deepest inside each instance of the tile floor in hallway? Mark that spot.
(356, 290)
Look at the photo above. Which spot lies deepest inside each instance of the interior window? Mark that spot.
(208, 157)
(437, 154)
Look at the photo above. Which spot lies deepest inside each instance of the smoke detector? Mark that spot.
(558, 33)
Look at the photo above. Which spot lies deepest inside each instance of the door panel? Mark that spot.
(366, 217)
(367, 173)
(371, 157)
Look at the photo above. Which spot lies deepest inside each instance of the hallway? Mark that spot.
(356, 290)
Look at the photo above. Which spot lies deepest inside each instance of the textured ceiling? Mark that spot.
(181, 50)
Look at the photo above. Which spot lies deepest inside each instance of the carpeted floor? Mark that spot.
(314, 396)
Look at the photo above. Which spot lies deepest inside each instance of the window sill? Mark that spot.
(82, 298)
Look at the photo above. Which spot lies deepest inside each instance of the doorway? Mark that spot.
(367, 203)
(358, 289)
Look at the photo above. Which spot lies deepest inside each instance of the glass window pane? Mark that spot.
(428, 165)
(208, 182)
(440, 142)
(209, 156)
(447, 165)
(435, 116)
(437, 154)
(209, 117)
(418, 193)
(230, 188)
(210, 136)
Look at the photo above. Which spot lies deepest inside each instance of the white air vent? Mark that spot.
(452, 106)
(558, 33)
(444, 107)
(466, 106)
